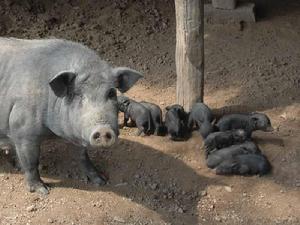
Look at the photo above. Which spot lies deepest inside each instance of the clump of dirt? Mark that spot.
(152, 179)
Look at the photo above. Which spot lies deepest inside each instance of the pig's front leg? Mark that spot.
(141, 130)
(126, 118)
(90, 170)
(28, 153)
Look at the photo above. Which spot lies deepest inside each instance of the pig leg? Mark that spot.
(190, 123)
(28, 153)
(126, 118)
(13, 160)
(90, 170)
(141, 130)
(243, 170)
(156, 132)
(157, 125)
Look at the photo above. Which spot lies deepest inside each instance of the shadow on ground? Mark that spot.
(145, 175)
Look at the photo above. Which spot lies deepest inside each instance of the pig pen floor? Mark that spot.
(152, 179)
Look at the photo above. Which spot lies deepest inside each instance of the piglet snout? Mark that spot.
(269, 129)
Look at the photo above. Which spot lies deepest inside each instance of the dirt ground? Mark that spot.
(249, 67)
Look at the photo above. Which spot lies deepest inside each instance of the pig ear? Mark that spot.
(234, 166)
(168, 108)
(125, 78)
(62, 83)
(254, 119)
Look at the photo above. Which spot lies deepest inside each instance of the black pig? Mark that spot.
(248, 122)
(176, 122)
(156, 115)
(249, 164)
(217, 156)
(137, 113)
(202, 117)
(223, 139)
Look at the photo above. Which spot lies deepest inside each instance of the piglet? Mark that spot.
(176, 122)
(223, 139)
(156, 116)
(137, 113)
(202, 117)
(248, 122)
(217, 156)
(249, 164)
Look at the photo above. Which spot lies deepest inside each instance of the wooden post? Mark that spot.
(189, 52)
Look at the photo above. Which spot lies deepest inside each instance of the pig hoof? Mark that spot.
(97, 181)
(40, 188)
(157, 132)
(141, 134)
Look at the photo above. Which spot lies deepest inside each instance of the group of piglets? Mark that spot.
(147, 117)
(228, 145)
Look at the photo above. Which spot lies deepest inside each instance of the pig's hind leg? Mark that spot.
(141, 129)
(190, 123)
(126, 118)
(28, 153)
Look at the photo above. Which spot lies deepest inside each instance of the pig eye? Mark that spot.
(112, 93)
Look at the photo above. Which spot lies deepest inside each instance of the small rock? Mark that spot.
(31, 208)
(180, 210)
(121, 184)
(154, 186)
(228, 189)
(145, 67)
(203, 193)
(283, 115)
(137, 176)
(50, 220)
(119, 219)
(218, 219)
(36, 199)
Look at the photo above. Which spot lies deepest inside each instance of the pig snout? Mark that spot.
(269, 129)
(103, 137)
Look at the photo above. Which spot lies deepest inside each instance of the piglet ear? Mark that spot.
(125, 78)
(62, 83)
(234, 165)
(254, 119)
(168, 108)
